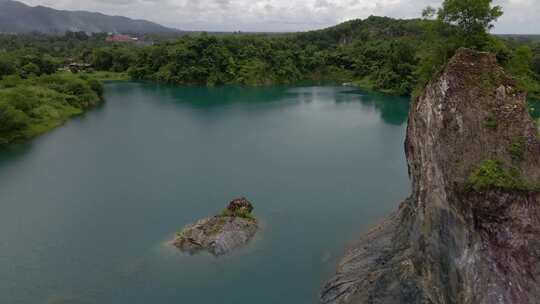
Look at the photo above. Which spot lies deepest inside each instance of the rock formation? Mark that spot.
(220, 234)
(470, 231)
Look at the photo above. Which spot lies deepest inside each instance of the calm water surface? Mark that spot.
(87, 210)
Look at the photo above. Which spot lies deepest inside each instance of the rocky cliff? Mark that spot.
(470, 231)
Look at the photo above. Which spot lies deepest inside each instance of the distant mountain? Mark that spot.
(17, 17)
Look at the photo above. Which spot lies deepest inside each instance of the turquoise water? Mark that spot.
(88, 208)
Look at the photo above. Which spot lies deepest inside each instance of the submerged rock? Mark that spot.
(470, 231)
(220, 234)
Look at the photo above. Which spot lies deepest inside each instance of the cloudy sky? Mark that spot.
(521, 16)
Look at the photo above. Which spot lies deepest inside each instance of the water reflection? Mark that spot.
(394, 110)
(202, 96)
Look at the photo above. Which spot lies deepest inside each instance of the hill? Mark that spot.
(17, 17)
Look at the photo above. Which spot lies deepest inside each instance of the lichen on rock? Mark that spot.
(470, 231)
(220, 234)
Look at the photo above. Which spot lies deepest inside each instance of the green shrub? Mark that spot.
(517, 149)
(29, 107)
(29, 70)
(492, 174)
(96, 86)
(491, 123)
(11, 119)
(242, 213)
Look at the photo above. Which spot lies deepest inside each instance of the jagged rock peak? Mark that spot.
(470, 231)
(470, 113)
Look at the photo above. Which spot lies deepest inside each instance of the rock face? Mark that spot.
(470, 231)
(221, 234)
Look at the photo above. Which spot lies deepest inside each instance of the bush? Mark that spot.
(492, 174)
(11, 119)
(32, 106)
(29, 70)
(96, 86)
(517, 149)
(7, 67)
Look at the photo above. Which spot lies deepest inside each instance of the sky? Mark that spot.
(521, 16)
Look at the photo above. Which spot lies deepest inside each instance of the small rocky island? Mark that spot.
(220, 234)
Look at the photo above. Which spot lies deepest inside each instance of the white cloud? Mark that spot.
(283, 15)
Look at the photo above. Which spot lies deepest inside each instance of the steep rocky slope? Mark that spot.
(470, 231)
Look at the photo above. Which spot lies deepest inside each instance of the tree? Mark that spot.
(102, 59)
(536, 64)
(30, 69)
(522, 60)
(11, 119)
(7, 67)
(471, 18)
(429, 12)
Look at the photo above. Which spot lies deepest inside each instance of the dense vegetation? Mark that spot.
(383, 54)
(35, 97)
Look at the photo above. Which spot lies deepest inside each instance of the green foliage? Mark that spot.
(379, 53)
(517, 149)
(471, 19)
(521, 61)
(7, 66)
(96, 87)
(491, 123)
(521, 66)
(460, 23)
(536, 63)
(29, 70)
(11, 119)
(32, 106)
(242, 213)
(102, 59)
(492, 174)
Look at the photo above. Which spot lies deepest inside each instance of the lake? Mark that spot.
(88, 209)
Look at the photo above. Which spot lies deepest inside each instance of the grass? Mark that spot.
(239, 213)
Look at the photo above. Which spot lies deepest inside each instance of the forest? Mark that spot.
(34, 95)
(378, 53)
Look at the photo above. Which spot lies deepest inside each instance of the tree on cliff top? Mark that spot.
(458, 23)
(470, 20)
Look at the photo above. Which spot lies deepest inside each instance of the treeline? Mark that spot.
(34, 97)
(379, 53)
(32, 106)
(383, 54)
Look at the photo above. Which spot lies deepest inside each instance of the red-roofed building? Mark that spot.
(121, 38)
